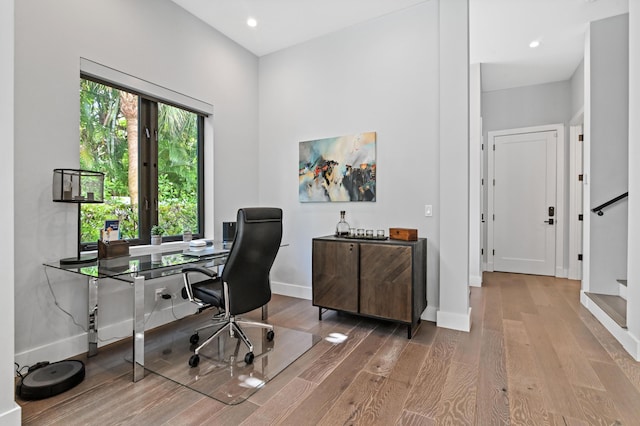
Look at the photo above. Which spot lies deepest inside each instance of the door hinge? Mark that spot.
(494, 252)
(494, 217)
(482, 251)
(494, 182)
(580, 138)
(580, 178)
(482, 146)
(580, 217)
(579, 257)
(156, 133)
(494, 146)
(482, 182)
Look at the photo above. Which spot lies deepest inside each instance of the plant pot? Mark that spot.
(156, 240)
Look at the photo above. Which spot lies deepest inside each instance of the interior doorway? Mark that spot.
(525, 209)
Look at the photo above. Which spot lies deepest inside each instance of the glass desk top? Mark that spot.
(151, 265)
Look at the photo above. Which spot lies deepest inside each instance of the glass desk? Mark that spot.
(135, 270)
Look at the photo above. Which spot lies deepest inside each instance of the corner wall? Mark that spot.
(633, 268)
(10, 412)
(608, 144)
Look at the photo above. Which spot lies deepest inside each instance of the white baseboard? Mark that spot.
(622, 291)
(12, 416)
(562, 272)
(629, 342)
(454, 321)
(78, 344)
(430, 314)
(291, 290)
(475, 280)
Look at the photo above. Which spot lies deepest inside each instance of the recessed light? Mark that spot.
(534, 44)
(252, 22)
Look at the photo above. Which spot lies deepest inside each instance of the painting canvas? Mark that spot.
(338, 169)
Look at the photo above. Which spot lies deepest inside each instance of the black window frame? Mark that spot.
(148, 168)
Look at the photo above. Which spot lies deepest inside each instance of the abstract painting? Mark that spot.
(338, 169)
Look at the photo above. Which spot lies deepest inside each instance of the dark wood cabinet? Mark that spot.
(376, 278)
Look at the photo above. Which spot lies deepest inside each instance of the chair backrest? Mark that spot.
(256, 244)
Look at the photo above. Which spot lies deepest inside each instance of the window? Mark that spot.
(152, 155)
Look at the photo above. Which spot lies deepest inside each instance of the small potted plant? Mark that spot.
(156, 235)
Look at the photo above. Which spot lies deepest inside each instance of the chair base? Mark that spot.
(233, 325)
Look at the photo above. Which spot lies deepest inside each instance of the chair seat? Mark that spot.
(210, 292)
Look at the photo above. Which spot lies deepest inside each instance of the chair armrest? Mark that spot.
(200, 269)
(187, 292)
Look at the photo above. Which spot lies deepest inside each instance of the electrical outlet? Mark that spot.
(159, 292)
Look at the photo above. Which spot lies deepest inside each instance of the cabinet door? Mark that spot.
(385, 281)
(335, 275)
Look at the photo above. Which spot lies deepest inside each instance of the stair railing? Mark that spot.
(598, 210)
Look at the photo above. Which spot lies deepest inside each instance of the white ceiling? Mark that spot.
(500, 30)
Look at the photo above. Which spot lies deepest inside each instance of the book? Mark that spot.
(111, 231)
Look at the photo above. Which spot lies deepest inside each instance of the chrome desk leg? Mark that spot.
(93, 317)
(138, 328)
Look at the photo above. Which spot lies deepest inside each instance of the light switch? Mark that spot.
(428, 211)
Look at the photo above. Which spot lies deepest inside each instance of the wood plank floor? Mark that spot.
(534, 356)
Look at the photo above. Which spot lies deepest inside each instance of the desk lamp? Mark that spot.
(78, 187)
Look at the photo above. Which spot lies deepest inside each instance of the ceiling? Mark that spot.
(499, 30)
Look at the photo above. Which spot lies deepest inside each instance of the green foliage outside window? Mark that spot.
(104, 147)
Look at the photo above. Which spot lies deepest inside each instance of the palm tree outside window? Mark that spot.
(152, 156)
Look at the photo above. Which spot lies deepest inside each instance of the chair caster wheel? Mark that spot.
(194, 360)
(194, 339)
(248, 358)
(270, 335)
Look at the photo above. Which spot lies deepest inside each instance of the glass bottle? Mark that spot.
(342, 228)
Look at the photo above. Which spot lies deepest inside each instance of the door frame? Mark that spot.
(575, 205)
(560, 270)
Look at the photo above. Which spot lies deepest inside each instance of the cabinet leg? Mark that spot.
(319, 314)
(409, 331)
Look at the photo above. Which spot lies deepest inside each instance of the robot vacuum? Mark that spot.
(50, 379)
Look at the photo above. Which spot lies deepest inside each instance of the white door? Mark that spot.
(524, 197)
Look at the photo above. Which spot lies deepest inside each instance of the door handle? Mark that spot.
(550, 221)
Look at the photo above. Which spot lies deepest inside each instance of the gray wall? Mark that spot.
(609, 142)
(380, 76)
(154, 40)
(577, 89)
(9, 410)
(633, 291)
(526, 107)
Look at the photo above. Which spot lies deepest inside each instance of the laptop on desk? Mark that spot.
(206, 252)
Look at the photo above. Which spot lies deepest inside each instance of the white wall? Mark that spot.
(475, 174)
(633, 268)
(380, 76)
(577, 89)
(608, 151)
(154, 40)
(454, 165)
(529, 106)
(9, 410)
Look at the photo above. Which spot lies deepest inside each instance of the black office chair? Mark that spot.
(244, 284)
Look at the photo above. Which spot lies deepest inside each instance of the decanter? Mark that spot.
(342, 228)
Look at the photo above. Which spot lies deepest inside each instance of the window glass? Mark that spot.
(125, 136)
(177, 170)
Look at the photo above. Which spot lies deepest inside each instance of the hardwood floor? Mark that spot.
(534, 356)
